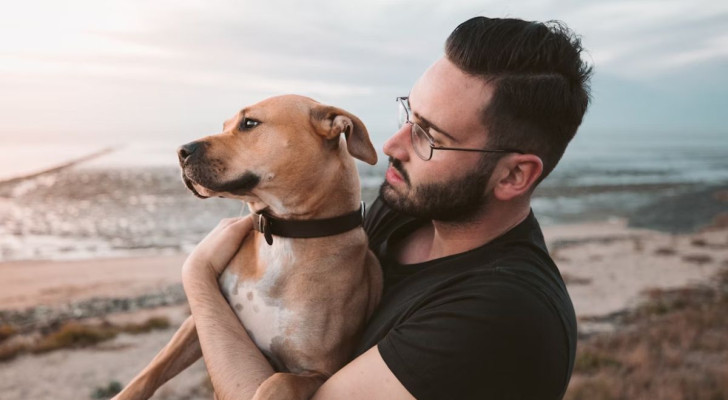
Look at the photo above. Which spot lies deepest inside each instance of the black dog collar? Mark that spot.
(312, 228)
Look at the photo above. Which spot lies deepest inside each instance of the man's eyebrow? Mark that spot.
(429, 124)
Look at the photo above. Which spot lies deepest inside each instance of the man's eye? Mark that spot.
(248, 123)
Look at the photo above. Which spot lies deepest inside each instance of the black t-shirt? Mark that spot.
(495, 322)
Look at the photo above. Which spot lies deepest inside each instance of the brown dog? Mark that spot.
(303, 301)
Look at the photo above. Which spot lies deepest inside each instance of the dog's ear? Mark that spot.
(330, 122)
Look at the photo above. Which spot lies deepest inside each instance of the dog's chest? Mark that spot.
(264, 316)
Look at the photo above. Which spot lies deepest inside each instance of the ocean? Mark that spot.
(132, 201)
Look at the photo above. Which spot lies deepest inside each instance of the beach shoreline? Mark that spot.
(586, 254)
(54, 167)
(621, 260)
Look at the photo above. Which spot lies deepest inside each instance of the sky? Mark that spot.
(110, 72)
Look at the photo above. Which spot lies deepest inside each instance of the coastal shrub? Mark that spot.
(594, 388)
(665, 251)
(74, 334)
(673, 347)
(7, 331)
(589, 361)
(699, 259)
(663, 301)
(71, 334)
(570, 279)
(108, 391)
(8, 351)
(149, 325)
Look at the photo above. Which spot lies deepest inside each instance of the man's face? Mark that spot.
(452, 186)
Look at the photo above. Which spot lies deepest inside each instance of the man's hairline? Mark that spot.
(487, 81)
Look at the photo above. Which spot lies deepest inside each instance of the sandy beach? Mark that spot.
(608, 267)
(34, 283)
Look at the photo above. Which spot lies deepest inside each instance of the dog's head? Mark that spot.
(280, 143)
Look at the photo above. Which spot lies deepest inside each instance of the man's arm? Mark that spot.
(235, 364)
(366, 377)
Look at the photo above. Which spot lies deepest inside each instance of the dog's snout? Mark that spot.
(185, 151)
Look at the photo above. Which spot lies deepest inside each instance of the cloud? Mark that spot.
(651, 39)
(218, 55)
(284, 38)
(712, 49)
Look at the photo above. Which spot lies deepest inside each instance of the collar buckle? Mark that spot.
(264, 228)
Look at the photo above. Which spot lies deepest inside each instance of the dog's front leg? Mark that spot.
(183, 350)
(286, 386)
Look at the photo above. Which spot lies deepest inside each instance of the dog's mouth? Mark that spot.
(240, 186)
(191, 186)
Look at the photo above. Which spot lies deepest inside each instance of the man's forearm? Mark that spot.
(235, 364)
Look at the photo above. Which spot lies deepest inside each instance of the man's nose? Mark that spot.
(399, 144)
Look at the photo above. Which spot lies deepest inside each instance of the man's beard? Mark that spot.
(455, 201)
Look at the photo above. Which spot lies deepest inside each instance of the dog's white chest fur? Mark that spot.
(264, 317)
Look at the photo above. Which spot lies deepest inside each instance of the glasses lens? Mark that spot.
(403, 117)
(420, 143)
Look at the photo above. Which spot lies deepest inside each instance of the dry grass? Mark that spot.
(720, 222)
(75, 334)
(699, 259)
(149, 325)
(8, 351)
(570, 279)
(7, 331)
(665, 251)
(673, 347)
(108, 391)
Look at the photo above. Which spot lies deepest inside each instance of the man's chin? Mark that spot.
(394, 199)
(386, 192)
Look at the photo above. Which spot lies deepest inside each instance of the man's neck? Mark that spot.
(441, 239)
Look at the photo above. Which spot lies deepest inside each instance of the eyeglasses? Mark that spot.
(423, 143)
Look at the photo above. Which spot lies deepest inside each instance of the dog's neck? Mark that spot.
(337, 192)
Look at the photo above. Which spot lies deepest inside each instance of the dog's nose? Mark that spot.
(186, 150)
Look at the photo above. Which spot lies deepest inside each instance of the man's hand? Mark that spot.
(215, 251)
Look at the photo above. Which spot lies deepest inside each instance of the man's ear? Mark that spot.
(330, 122)
(520, 172)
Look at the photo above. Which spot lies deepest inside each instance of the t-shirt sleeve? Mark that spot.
(491, 340)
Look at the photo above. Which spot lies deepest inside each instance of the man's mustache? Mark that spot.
(397, 165)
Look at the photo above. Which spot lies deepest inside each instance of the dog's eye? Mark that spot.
(248, 123)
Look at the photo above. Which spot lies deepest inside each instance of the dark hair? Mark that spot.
(541, 83)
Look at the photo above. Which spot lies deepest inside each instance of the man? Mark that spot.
(473, 306)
